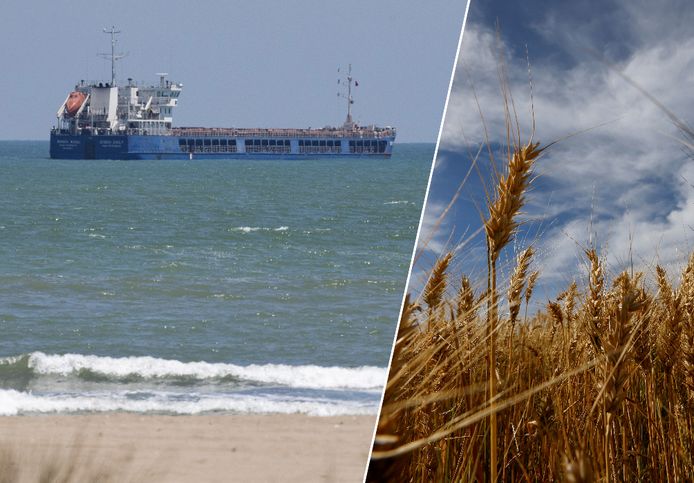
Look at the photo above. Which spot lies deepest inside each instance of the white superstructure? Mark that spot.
(106, 108)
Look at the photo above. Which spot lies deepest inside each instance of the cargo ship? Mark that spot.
(107, 121)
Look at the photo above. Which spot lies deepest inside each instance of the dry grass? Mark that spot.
(70, 457)
(68, 465)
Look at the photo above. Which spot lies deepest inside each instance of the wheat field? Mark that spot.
(596, 386)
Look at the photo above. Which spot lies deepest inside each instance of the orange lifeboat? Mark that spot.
(74, 102)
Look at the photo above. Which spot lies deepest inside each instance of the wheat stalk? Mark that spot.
(501, 224)
(435, 287)
(594, 304)
(499, 227)
(517, 283)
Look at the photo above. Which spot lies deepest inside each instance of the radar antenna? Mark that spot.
(349, 124)
(113, 56)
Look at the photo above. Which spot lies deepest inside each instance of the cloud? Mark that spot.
(434, 231)
(626, 179)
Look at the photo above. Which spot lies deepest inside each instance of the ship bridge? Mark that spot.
(106, 108)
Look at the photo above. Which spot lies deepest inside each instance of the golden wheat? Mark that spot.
(599, 414)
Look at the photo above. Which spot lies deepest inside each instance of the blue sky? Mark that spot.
(263, 63)
(625, 183)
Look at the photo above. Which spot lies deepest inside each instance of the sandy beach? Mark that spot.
(157, 448)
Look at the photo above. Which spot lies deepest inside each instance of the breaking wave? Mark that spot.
(145, 367)
(16, 402)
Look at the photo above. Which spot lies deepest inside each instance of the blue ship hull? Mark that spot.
(129, 146)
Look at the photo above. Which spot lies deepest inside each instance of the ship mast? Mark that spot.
(349, 123)
(113, 56)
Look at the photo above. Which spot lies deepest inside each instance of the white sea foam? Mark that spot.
(304, 376)
(15, 402)
(398, 202)
(249, 229)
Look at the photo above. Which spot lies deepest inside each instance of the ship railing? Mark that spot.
(245, 133)
(282, 133)
(150, 132)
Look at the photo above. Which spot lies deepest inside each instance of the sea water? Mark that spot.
(184, 287)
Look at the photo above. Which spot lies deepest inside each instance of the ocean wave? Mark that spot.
(17, 402)
(397, 202)
(249, 229)
(145, 367)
